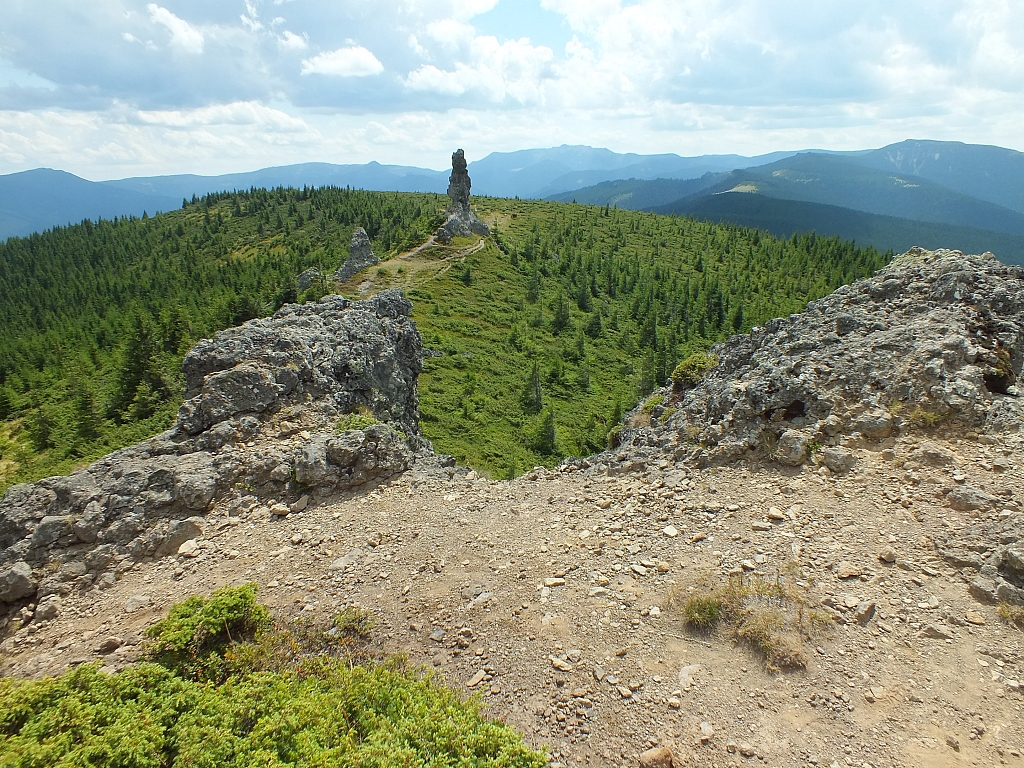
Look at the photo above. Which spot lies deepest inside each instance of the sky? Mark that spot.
(113, 88)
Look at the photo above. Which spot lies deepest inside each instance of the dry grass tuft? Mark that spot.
(1012, 614)
(770, 616)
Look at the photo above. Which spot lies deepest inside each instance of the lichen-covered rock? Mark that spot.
(460, 221)
(300, 369)
(360, 255)
(935, 337)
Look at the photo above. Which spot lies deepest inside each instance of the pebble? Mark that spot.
(476, 679)
(554, 582)
(189, 548)
(135, 602)
(936, 632)
(847, 570)
(656, 757)
(706, 732)
(108, 645)
(760, 525)
(561, 664)
(975, 618)
(887, 555)
(671, 531)
(279, 510)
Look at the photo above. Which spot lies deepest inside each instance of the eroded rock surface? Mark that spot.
(360, 255)
(261, 413)
(461, 221)
(935, 337)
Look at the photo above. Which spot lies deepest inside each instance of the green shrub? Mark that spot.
(353, 421)
(1012, 614)
(192, 640)
(692, 369)
(302, 707)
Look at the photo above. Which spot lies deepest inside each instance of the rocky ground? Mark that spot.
(556, 598)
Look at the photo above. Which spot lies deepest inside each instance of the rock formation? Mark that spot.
(360, 255)
(934, 337)
(461, 221)
(261, 409)
(306, 278)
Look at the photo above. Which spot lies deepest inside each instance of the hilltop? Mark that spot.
(740, 580)
(587, 309)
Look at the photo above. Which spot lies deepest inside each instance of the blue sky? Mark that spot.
(111, 88)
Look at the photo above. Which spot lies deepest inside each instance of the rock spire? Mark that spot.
(461, 221)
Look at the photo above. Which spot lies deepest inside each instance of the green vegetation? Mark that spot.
(289, 695)
(690, 371)
(352, 421)
(769, 616)
(98, 316)
(546, 332)
(1012, 614)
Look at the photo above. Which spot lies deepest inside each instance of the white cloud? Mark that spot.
(291, 42)
(513, 71)
(689, 76)
(183, 35)
(237, 113)
(355, 61)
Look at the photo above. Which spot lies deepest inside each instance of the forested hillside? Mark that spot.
(538, 341)
(97, 317)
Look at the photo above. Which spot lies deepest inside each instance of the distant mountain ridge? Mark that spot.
(32, 201)
(945, 186)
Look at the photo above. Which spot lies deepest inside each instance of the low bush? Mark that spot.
(1012, 614)
(353, 421)
(302, 705)
(692, 369)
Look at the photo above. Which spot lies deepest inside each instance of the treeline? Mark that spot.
(97, 316)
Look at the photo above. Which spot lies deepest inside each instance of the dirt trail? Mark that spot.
(556, 598)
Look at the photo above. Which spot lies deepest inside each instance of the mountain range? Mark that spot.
(927, 193)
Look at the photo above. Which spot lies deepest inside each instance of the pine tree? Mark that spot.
(543, 438)
(532, 397)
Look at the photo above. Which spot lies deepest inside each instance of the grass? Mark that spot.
(769, 616)
(294, 694)
(1012, 614)
(353, 421)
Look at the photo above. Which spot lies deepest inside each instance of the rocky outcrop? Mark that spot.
(934, 338)
(264, 415)
(360, 256)
(306, 278)
(460, 221)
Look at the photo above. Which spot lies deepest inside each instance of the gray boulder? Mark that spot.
(17, 582)
(360, 255)
(793, 448)
(306, 278)
(838, 460)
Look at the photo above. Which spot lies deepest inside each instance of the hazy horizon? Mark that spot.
(123, 88)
